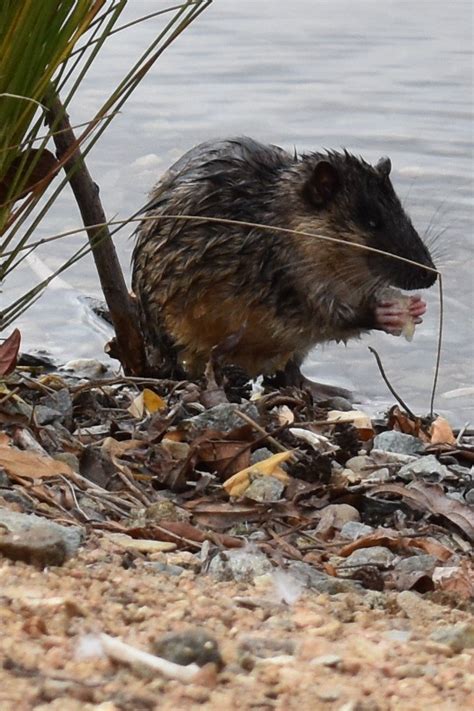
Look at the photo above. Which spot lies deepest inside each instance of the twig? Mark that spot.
(439, 345)
(389, 386)
(259, 428)
(121, 652)
(121, 307)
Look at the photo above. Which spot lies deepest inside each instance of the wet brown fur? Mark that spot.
(197, 283)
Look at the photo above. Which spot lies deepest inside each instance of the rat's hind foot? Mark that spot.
(292, 376)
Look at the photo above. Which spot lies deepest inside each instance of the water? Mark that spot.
(377, 78)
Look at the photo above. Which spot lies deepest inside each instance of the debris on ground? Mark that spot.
(268, 492)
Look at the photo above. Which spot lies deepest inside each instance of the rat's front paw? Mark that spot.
(398, 314)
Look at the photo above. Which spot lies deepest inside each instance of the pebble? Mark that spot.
(335, 516)
(27, 526)
(242, 565)
(41, 547)
(423, 562)
(375, 555)
(362, 464)
(85, 368)
(398, 442)
(193, 646)
(323, 583)
(417, 608)
(354, 529)
(222, 417)
(425, 466)
(265, 489)
(457, 637)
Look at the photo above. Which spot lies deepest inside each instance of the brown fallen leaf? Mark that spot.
(431, 497)
(397, 543)
(9, 353)
(441, 432)
(30, 465)
(457, 579)
(400, 421)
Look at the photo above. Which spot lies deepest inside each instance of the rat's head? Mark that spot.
(359, 202)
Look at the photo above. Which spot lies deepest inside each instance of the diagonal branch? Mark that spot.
(130, 345)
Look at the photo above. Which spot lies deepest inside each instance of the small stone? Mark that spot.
(398, 635)
(393, 441)
(165, 568)
(243, 565)
(140, 544)
(265, 489)
(265, 647)
(323, 583)
(469, 497)
(425, 466)
(376, 555)
(382, 474)
(260, 455)
(457, 637)
(362, 464)
(85, 368)
(222, 418)
(21, 524)
(337, 403)
(194, 646)
(417, 608)
(335, 516)
(354, 529)
(409, 671)
(69, 458)
(423, 562)
(39, 546)
(327, 660)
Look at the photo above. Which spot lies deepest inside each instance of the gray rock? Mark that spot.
(424, 466)
(260, 454)
(222, 417)
(241, 564)
(39, 546)
(354, 529)
(470, 497)
(165, 568)
(194, 646)
(18, 524)
(337, 403)
(46, 415)
(423, 562)
(398, 442)
(61, 402)
(377, 555)
(382, 474)
(362, 464)
(398, 635)
(85, 368)
(265, 489)
(458, 637)
(265, 647)
(323, 583)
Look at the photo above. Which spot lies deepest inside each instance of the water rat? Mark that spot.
(199, 282)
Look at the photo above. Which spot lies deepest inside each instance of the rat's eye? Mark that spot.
(369, 215)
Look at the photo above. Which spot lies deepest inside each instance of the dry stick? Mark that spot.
(122, 311)
(388, 384)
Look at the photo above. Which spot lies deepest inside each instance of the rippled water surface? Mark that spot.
(375, 77)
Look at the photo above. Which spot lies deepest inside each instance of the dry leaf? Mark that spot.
(30, 465)
(147, 402)
(359, 419)
(237, 484)
(9, 352)
(441, 432)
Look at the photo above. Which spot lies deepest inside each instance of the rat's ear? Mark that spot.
(384, 166)
(323, 184)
